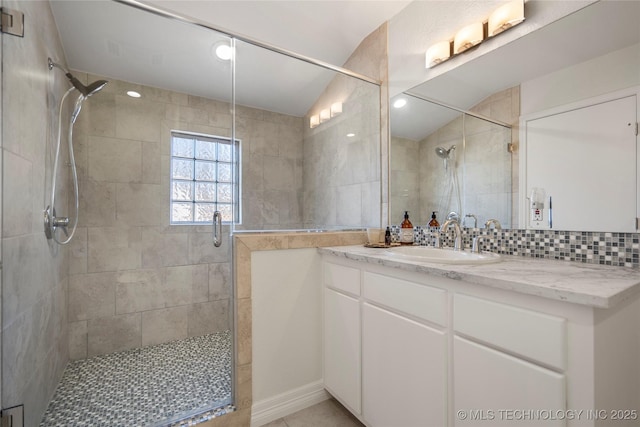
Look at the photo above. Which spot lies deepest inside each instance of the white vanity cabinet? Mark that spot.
(404, 353)
(385, 347)
(342, 355)
(407, 348)
(494, 386)
(506, 359)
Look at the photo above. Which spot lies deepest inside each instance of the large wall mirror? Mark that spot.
(556, 65)
(449, 162)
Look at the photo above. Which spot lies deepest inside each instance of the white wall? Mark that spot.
(605, 74)
(287, 332)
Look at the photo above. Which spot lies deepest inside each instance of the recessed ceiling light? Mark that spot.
(223, 51)
(399, 103)
(133, 94)
(351, 135)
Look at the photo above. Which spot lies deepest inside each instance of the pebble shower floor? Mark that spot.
(159, 385)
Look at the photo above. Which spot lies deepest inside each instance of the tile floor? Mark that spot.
(149, 386)
(329, 413)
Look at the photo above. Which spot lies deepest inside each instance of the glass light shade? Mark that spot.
(438, 53)
(505, 17)
(468, 37)
(314, 121)
(336, 108)
(325, 115)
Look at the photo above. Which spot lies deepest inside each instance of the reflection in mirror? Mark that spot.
(445, 160)
(298, 165)
(553, 66)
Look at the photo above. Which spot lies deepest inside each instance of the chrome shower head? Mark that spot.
(444, 153)
(86, 91)
(89, 90)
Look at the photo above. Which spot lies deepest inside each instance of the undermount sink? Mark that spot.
(442, 255)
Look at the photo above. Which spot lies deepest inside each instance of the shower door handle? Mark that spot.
(217, 229)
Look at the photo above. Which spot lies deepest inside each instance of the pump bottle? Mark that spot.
(406, 230)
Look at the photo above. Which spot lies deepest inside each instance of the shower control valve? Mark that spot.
(52, 222)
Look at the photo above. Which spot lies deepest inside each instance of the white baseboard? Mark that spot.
(267, 410)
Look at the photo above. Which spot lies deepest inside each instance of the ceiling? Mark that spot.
(136, 46)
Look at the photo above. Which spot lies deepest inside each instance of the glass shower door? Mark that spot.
(140, 301)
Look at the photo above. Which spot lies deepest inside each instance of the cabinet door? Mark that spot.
(490, 387)
(404, 371)
(342, 348)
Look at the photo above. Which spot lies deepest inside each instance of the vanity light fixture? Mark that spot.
(506, 16)
(468, 37)
(336, 109)
(314, 121)
(438, 53)
(133, 94)
(325, 115)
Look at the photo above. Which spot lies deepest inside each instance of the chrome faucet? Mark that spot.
(457, 231)
(495, 223)
(475, 220)
(475, 246)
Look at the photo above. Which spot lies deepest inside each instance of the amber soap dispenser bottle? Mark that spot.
(406, 230)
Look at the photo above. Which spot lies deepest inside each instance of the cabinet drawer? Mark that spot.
(346, 279)
(534, 335)
(487, 379)
(411, 298)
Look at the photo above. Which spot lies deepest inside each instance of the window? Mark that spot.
(204, 171)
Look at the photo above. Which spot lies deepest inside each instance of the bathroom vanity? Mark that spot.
(521, 342)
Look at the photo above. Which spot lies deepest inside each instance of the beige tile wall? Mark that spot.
(34, 271)
(405, 172)
(134, 279)
(342, 175)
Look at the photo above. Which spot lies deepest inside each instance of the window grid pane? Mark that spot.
(182, 190)
(202, 179)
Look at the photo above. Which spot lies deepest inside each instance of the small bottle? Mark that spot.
(406, 230)
(434, 229)
(434, 221)
(387, 237)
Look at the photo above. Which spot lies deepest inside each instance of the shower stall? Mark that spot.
(119, 209)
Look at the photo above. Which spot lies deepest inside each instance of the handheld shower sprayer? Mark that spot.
(445, 154)
(51, 221)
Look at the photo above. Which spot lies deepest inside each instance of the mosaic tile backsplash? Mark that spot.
(618, 249)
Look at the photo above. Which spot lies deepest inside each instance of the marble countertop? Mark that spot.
(593, 285)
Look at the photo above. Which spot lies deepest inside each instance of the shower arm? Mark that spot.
(87, 90)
